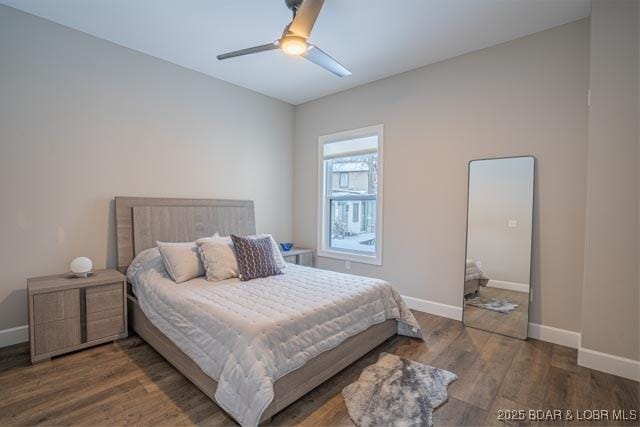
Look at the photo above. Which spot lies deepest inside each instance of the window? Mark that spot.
(350, 191)
(344, 180)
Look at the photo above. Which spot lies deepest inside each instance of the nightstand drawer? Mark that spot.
(105, 327)
(105, 297)
(52, 306)
(57, 335)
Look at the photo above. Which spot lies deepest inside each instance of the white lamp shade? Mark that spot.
(81, 265)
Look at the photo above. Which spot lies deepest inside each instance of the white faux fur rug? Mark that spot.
(493, 304)
(397, 392)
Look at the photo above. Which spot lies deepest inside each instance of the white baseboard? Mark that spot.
(511, 286)
(432, 307)
(554, 335)
(609, 363)
(13, 336)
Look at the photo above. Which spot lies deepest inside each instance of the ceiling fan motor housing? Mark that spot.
(293, 4)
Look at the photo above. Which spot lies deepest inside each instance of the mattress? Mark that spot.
(246, 335)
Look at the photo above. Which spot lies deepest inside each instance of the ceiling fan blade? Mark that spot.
(318, 57)
(305, 17)
(249, 50)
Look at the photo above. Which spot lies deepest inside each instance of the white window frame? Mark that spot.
(323, 249)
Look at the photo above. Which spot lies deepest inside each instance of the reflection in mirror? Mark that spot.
(498, 259)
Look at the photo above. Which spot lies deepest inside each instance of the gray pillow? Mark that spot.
(255, 257)
(182, 260)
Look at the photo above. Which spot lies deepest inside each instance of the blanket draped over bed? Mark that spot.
(246, 335)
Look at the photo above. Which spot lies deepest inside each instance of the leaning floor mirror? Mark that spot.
(499, 240)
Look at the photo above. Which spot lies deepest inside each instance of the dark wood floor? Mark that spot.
(129, 383)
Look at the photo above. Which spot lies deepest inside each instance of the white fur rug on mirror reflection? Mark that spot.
(397, 392)
(493, 304)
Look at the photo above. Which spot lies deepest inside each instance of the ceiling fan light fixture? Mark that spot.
(294, 45)
(294, 39)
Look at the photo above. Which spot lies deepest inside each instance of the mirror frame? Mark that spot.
(466, 236)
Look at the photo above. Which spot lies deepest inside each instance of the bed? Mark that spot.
(270, 341)
(474, 277)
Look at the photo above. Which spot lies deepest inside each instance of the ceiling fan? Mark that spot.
(294, 39)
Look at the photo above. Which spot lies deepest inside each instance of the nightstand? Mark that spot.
(68, 313)
(299, 256)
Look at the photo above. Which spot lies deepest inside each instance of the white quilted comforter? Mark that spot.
(246, 335)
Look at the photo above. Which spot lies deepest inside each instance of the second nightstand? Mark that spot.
(68, 313)
(299, 256)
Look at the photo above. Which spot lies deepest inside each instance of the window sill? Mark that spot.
(349, 256)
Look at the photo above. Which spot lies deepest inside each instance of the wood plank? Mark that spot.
(457, 413)
(567, 391)
(484, 375)
(518, 387)
(567, 358)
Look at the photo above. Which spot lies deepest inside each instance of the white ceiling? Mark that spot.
(373, 38)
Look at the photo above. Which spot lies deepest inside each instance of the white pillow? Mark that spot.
(219, 258)
(182, 260)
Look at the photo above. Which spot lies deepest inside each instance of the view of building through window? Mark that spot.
(352, 181)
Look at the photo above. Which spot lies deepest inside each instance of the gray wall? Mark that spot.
(83, 120)
(612, 284)
(501, 190)
(527, 96)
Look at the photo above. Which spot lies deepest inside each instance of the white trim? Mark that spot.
(349, 256)
(322, 249)
(609, 363)
(511, 286)
(554, 335)
(432, 307)
(13, 336)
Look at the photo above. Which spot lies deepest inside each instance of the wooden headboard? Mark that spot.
(141, 221)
